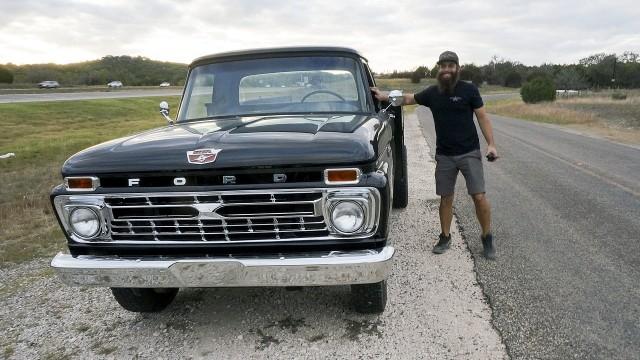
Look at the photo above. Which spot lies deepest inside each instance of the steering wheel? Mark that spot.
(322, 92)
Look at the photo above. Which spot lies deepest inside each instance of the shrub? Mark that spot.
(5, 75)
(539, 89)
(415, 77)
(618, 96)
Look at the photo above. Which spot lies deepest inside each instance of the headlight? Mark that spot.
(84, 222)
(347, 216)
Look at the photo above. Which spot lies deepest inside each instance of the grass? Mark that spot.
(407, 86)
(43, 135)
(593, 112)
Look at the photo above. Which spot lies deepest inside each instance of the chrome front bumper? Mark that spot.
(313, 269)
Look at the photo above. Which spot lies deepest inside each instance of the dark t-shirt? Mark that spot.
(453, 116)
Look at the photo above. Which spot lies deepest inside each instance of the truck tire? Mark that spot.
(401, 183)
(369, 298)
(144, 300)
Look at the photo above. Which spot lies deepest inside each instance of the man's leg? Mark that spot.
(446, 213)
(483, 212)
(471, 167)
(446, 173)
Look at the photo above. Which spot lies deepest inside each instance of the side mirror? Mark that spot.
(396, 98)
(164, 111)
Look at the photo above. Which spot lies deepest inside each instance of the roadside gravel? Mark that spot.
(436, 308)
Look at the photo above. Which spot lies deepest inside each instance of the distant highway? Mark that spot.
(116, 94)
(60, 96)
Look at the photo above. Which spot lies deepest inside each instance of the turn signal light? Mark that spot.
(342, 176)
(81, 183)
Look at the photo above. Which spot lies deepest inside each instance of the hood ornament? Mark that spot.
(202, 156)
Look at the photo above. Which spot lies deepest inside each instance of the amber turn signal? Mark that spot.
(81, 183)
(342, 176)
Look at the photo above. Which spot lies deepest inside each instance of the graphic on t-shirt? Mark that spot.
(455, 98)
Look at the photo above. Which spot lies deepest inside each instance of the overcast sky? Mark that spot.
(391, 34)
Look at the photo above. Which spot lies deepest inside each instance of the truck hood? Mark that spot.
(242, 141)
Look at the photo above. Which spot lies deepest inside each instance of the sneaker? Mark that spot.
(442, 245)
(487, 245)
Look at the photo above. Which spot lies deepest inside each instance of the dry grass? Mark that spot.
(407, 86)
(543, 112)
(594, 113)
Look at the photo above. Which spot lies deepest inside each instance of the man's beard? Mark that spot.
(447, 85)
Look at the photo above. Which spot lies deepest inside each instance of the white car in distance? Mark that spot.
(115, 84)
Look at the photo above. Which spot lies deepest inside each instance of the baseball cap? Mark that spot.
(448, 56)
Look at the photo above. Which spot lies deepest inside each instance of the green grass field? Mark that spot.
(43, 135)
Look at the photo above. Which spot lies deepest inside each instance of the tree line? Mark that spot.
(130, 70)
(596, 71)
(600, 70)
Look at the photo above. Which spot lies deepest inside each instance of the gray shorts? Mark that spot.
(469, 164)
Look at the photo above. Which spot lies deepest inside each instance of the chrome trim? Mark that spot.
(368, 197)
(357, 180)
(309, 269)
(95, 183)
(64, 205)
(368, 200)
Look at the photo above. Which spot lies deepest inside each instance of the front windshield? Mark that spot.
(294, 85)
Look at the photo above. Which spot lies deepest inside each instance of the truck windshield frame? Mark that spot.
(274, 86)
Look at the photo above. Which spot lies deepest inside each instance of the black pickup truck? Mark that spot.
(280, 169)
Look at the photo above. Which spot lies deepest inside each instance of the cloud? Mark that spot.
(393, 35)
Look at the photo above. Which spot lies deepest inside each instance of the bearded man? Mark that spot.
(453, 103)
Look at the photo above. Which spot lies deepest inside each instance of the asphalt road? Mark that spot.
(566, 214)
(112, 94)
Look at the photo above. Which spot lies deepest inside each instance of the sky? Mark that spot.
(390, 34)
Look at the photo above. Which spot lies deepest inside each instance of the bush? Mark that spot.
(618, 96)
(5, 75)
(537, 90)
(415, 77)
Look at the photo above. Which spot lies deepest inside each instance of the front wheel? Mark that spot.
(369, 298)
(144, 299)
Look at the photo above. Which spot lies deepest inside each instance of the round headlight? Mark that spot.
(85, 222)
(347, 216)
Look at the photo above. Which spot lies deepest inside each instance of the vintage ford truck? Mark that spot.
(280, 169)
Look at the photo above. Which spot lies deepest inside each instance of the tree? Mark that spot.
(419, 73)
(470, 72)
(6, 76)
(569, 78)
(513, 80)
(539, 89)
(599, 69)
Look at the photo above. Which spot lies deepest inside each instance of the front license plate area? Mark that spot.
(207, 274)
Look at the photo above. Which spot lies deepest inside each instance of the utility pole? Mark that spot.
(613, 77)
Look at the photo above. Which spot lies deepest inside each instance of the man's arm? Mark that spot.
(380, 95)
(487, 130)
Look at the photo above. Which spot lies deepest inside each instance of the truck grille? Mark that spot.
(207, 217)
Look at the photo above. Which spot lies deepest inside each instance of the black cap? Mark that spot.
(448, 56)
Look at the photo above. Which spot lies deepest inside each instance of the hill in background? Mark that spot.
(132, 71)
